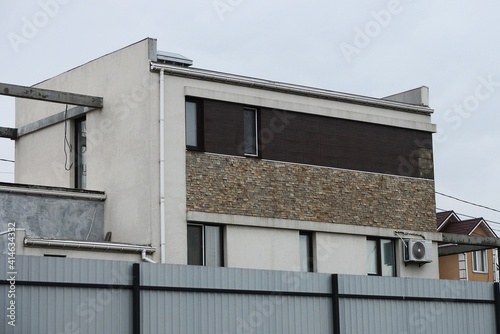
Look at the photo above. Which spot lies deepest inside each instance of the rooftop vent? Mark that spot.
(173, 59)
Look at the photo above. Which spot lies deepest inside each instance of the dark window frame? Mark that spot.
(379, 256)
(80, 183)
(203, 242)
(310, 249)
(199, 123)
(257, 153)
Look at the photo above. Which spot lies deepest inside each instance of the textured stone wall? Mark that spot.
(252, 187)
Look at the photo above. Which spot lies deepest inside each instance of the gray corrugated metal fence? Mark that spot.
(58, 295)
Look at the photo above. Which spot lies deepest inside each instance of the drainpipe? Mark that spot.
(145, 258)
(162, 166)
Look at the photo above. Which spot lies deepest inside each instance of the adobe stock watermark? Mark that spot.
(363, 36)
(455, 116)
(33, 24)
(119, 112)
(422, 319)
(11, 274)
(265, 309)
(222, 7)
(87, 311)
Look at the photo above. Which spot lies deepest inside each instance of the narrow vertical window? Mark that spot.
(205, 245)
(213, 246)
(81, 153)
(306, 254)
(380, 257)
(479, 261)
(387, 256)
(194, 124)
(372, 256)
(195, 244)
(250, 131)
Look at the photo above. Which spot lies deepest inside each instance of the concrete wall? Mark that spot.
(50, 216)
(341, 253)
(262, 248)
(122, 141)
(123, 156)
(416, 270)
(269, 243)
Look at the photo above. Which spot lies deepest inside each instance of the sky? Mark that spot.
(373, 48)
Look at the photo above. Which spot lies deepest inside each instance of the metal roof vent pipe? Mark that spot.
(173, 59)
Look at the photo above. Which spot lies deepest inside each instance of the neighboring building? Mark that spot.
(480, 265)
(215, 169)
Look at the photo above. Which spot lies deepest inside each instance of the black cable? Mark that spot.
(464, 201)
(7, 160)
(463, 214)
(66, 142)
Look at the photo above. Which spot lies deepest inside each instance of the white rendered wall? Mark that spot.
(262, 248)
(122, 141)
(341, 253)
(427, 270)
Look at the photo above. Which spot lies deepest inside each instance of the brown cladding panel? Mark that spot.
(319, 140)
(223, 127)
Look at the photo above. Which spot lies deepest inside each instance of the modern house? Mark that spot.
(480, 265)
(182, 165)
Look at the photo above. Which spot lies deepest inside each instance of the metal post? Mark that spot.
(136, 299)
(496, 287)
(335, 304)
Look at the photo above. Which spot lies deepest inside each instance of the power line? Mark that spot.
(467, 202)
(463, 214)
(7, 160)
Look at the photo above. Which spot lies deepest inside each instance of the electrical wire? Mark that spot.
(467, 202)
(66, 142)
(7, 160)
(468, 216)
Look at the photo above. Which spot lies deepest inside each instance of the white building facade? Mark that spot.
(216, 169)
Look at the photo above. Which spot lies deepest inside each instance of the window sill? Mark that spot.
(480, 272)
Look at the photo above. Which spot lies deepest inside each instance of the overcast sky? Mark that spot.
(374, 48)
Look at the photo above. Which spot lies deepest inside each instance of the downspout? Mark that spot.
(162, 166)
(145, 258)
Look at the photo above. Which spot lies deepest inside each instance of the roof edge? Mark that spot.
(239, 80)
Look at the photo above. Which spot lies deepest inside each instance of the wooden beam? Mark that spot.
(51, 95)
(10, 133)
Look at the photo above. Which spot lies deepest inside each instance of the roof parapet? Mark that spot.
(418, 96)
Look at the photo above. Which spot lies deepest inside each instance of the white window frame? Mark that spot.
(475, 262)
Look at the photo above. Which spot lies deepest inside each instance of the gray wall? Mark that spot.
(51, 217)
(190, 299)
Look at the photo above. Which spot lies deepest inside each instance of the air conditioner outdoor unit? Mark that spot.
(418, 251)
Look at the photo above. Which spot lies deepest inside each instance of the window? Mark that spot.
(306, 254)
(250, 131)
(81, 153)
(205, 246)
(380, 257)
(480, 261)
(194, 124)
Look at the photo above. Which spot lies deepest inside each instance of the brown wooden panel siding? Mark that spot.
(223, 127)
(318, 140)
